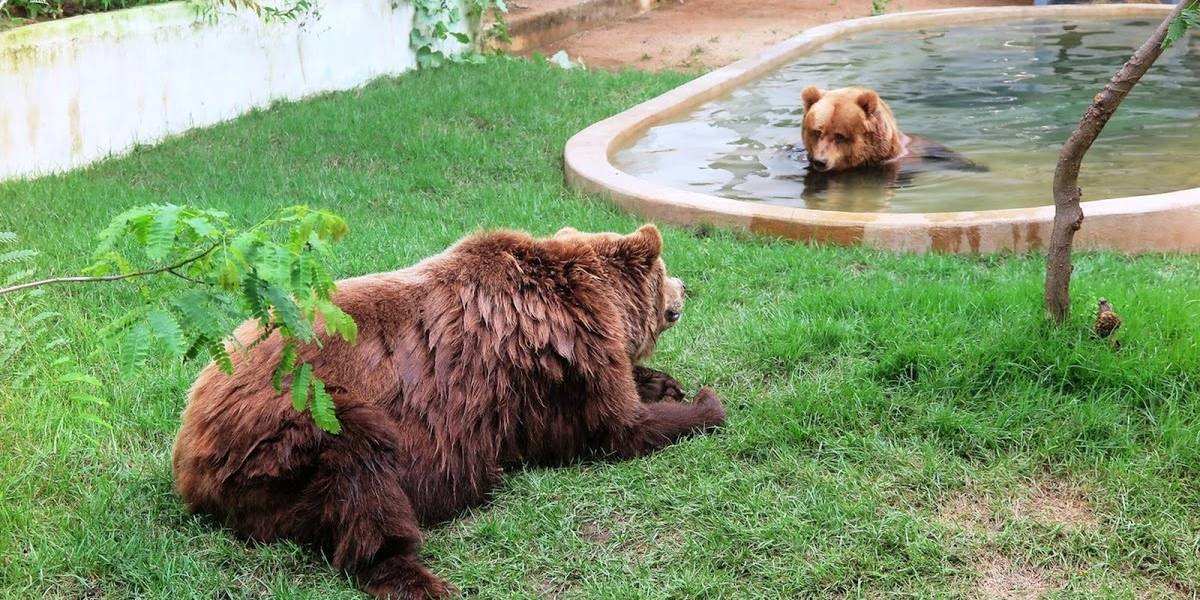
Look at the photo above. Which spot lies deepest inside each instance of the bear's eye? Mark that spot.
(839, 138)
(817, 132)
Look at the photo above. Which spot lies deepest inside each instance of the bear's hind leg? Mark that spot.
(364, 516)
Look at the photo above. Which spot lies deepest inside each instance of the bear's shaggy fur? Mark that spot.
(849, 128)
(857, 156)
(504, 350)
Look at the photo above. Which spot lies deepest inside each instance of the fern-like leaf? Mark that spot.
(323, 410)
(301, 380)
(274, 265)
(287, 311)
(252, 294)
(135, 347)
(77, 377)
(220, 356)
(89, 399)
(106, 240)
(287, 362)
(337, 321)
(161, 235)
(196, 309)
(167, 331)
(13, 257)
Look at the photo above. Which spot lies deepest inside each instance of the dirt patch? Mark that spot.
(1001, 578)
(705, 34)
(1055, 502)
(1167, 591)
(968, 510)
(1045, 501)
(595, 533)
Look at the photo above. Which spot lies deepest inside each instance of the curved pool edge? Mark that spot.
(1167, 222)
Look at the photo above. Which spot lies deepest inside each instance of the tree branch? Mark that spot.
(1068, 215)
(167, 269)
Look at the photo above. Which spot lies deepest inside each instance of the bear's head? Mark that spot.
(848, 128)
(650, 299)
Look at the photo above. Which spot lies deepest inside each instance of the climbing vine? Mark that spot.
(438, 23)
(293, 10)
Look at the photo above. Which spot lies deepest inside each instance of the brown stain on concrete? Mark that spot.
(838, 234)
(73, 122)
(1033, 236)
(945, 239)
(973, 238)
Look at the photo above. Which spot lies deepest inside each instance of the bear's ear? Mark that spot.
(810, 95)
(566, 231)
(645, 244)
(868, 100)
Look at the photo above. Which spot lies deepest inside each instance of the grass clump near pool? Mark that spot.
(897, 424)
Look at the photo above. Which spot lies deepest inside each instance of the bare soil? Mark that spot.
(705, 34)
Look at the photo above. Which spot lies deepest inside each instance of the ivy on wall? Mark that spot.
(439, 26)
(436, 22)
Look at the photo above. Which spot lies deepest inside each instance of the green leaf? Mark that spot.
(287, 362)
(76, 377)
(332, 227)
(14, 277)
(13, 257)
(135, 347)
(97, 420)
(323, 410)
(1175, 31)
(252, 294)
(89, 399)
(301, 378)
(198, 315)
(274, 265)
(161, 234)
(461, 37)
(287, 311)
(8, 237)
(203, 227)
(300, 234)
(107, 238)
(166, 329)
(337, 321)
(220, 355)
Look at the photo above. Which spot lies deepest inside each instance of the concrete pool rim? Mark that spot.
(1167, 222)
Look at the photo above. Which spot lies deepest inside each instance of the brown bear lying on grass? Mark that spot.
(853, 142)
(504, 350)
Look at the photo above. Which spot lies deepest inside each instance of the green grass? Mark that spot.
(865, 390)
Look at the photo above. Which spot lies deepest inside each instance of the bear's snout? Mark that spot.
(819, 164)
(675, 291)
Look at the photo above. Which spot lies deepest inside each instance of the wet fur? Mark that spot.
(874, 155)
(504, 350)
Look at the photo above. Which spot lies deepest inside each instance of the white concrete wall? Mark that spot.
(81, 89)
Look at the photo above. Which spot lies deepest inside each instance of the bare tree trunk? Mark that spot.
(1068, 215)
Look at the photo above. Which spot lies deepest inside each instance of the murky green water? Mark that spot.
(1004, 95)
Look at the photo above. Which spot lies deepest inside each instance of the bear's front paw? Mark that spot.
(714, 411)
(656, 386)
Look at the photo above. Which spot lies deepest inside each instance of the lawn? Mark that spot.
(899, 425)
